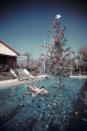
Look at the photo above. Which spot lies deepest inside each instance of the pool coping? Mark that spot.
(11, 82)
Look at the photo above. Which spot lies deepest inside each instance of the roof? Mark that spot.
(6, 45)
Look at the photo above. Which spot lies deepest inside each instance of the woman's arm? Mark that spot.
(31, 87)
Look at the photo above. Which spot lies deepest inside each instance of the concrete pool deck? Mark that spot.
(12, 82)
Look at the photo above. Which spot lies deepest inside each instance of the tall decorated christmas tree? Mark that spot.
(56, 57)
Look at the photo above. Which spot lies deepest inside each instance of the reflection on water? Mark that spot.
(38, 113)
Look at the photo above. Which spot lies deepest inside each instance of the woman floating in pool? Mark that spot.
(38, 91)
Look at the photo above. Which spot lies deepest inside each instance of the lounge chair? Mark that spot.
(13, 73)
(39, 77)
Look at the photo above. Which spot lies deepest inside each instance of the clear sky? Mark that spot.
(24, 24)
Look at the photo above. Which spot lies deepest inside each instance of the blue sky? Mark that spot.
(25, 27)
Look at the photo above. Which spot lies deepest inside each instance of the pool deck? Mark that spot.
(78, 76)
(10, 83)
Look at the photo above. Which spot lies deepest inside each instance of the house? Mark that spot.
(8, 56)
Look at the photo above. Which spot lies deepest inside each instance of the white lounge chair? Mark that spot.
(35, 77)
(13, 73)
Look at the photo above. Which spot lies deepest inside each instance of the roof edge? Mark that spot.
(10, 47)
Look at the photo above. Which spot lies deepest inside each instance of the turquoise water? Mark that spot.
(36, 113)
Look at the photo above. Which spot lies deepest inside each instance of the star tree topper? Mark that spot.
(58, 16)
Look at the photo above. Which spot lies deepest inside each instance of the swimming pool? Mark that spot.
(21, 110)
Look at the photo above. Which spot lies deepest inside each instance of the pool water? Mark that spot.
(21, 110)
